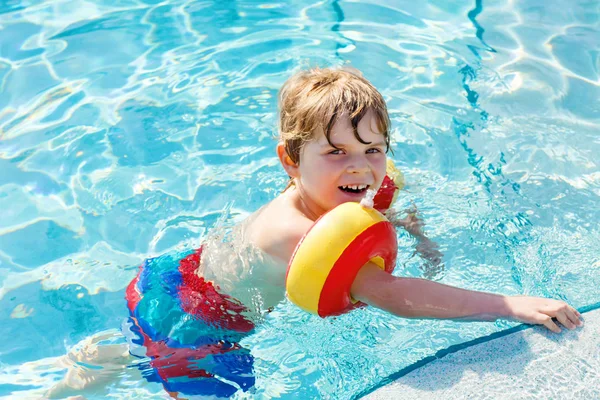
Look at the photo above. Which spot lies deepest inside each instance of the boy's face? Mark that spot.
(328, 177)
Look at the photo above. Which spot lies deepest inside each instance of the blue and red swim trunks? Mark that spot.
(191, 332)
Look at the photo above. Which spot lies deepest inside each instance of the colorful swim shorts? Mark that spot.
(189, 329)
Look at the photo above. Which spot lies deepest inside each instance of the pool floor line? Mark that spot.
(453, 349)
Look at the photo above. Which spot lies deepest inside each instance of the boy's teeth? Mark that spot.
(354, 187)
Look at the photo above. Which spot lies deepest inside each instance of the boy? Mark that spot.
(190, 312)
(334, 132)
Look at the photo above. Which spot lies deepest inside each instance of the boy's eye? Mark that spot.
(336, 151)
(374, 150)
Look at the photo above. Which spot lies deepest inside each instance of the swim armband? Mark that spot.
(328, 257)
(391, 186)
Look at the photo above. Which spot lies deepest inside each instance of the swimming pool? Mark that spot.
(130, 128)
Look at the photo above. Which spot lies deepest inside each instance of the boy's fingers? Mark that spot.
(574, 316)
(548, 323)
(565, 320)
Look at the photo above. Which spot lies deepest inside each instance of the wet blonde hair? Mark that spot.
(316, 98)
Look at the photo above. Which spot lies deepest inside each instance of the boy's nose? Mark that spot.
(358, 165)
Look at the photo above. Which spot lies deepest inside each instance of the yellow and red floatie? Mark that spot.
(329, 256)
(391, 186)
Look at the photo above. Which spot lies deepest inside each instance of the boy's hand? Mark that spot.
(429, 251)
(426, 248)
(413, 224)
(535, 310)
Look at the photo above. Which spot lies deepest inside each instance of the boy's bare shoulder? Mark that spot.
(277, 228)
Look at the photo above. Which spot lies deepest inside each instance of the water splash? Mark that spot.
(367, 201)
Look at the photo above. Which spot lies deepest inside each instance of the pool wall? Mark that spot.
(522, 360)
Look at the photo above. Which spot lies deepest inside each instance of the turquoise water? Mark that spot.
(130, 128)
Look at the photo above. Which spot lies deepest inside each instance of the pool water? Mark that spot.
(131, 128)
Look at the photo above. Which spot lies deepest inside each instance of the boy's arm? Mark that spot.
(419, 298)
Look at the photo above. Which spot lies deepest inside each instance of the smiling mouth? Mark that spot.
(354, 188)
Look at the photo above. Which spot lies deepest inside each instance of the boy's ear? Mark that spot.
(286, 161)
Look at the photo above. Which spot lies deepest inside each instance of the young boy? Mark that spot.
(189, 312)
(334, 135)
